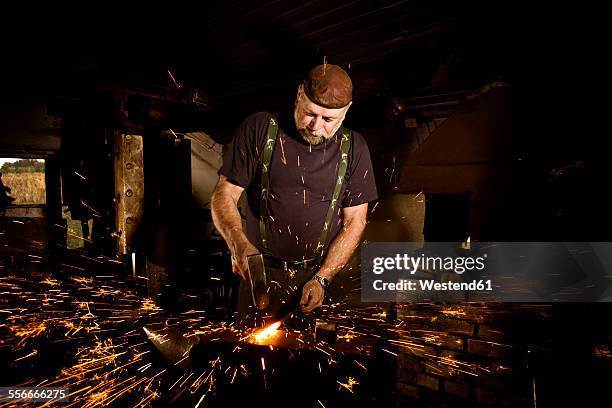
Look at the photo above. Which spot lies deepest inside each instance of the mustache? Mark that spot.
(315, 134)
(312, 138)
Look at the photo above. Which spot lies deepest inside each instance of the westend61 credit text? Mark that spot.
(430, 284)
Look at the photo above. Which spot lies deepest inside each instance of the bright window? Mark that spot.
(23, 181)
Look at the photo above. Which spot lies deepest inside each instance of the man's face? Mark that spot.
(314, 122)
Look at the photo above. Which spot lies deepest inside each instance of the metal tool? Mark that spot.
(258, 281)
(289, 308)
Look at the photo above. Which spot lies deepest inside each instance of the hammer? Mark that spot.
(258, 281)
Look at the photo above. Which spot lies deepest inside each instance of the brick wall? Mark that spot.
(465, 355)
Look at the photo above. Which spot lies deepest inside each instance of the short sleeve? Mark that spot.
(361, 184)
(242, 156)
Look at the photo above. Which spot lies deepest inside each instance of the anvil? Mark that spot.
(179, 347)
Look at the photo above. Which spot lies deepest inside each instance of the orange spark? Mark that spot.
(283, 158)
(350, 384)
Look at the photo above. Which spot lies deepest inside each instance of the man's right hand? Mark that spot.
(241, 249)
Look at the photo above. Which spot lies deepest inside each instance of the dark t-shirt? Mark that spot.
(301, 184)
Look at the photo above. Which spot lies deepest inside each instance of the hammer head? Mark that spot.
(258, 281)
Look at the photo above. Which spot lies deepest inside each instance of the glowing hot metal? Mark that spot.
(267, 332)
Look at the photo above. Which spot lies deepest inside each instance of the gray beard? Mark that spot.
(314, 139)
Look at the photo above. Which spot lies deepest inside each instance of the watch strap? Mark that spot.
(323, 281)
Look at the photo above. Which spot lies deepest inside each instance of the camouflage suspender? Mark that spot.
(265, 177)
(345, 145)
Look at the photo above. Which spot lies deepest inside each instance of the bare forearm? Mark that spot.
(226, 217)
(342, 248)
(224, 209)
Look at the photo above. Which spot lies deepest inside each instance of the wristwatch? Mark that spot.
(323, 281)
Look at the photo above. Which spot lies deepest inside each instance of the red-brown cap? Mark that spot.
(329, 86)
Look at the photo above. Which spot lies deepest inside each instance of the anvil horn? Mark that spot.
(173, 344)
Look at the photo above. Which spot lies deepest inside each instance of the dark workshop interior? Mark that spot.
(481, 120)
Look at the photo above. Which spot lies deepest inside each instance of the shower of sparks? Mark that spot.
(44, 310)
(99, 320)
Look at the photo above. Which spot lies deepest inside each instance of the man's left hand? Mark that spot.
(312, 296)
